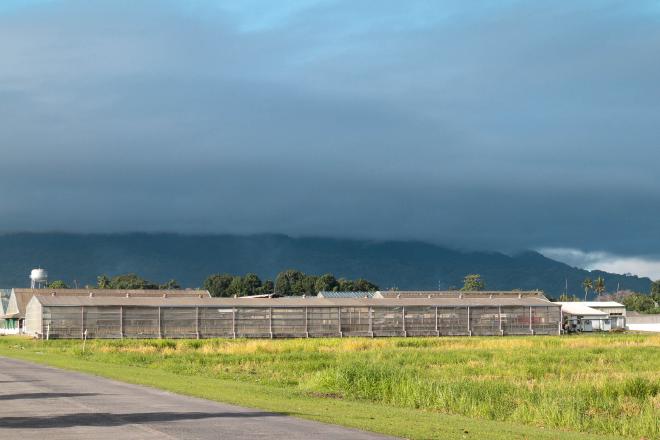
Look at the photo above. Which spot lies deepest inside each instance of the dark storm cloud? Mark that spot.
(501, 125)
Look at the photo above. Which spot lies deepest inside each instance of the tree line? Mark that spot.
(122, 281)
(290, 282)
(639, 302)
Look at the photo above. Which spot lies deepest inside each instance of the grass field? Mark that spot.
(513, 387)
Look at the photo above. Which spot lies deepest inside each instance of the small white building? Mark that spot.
(589, 316)
(617, 311)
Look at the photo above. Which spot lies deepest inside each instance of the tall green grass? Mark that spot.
(600, 384)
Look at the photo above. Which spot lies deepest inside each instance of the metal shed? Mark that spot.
(583, 318)
(120, 317)
(617, 312)
(15, 313)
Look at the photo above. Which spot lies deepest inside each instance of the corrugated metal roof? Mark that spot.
(579, 309)
(291, 302)
(23, 296)
(116, 292)
(459, 293)
(600, 304)
(48, 300)
(331, 294)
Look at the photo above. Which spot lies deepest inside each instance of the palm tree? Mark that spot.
(599, 286)
(587, 285)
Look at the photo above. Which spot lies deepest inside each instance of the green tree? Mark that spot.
(587, 285)
(325, 283)
(295, 282)
(345, 285)
(282, 286)
(308, 285)
(639, 302)
(655, 291)
(289, 282)
(251, 284)
(103, 282)
(473, 283)
(58, 284)
(236, 287)
(131, 281)
(267, 287)
(362, 285)
(567, 298)
(170, 285)
(599, 285)
(218, 284)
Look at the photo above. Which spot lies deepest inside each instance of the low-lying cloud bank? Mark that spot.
(608, 262)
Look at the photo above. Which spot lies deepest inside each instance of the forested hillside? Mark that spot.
(191, 258)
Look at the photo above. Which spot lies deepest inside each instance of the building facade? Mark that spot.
(13, 316)
(120, 317)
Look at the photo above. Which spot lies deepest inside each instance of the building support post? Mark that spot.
(371, 321)
(499, 315)
(468, 322)
(306, 323)
(121, 322)
(160, 330)
(531, 329)
(561, 321)
(197, 322)
(270, 322)
(233, 322)
(437, 331)
(403, 320)
(341, 334)
(82, 322)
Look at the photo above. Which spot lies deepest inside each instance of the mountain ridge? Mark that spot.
(190, 258)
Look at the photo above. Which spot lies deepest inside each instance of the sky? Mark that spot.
(499, 125)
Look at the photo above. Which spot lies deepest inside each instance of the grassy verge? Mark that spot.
(450, 388)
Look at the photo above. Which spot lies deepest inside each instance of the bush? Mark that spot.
(639, 302)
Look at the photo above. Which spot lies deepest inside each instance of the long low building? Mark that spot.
(58, 316)
(13, 314)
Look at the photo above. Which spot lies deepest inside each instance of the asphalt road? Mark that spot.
(39, 402)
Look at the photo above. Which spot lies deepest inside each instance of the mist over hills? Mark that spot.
(191, 258)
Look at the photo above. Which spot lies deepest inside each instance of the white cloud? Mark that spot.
(641, 266)
(634, 265)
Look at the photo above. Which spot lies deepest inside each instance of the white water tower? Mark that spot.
(38, 278)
